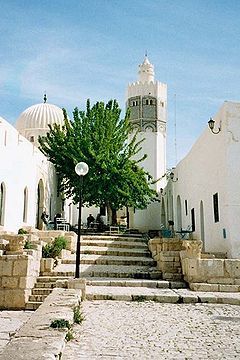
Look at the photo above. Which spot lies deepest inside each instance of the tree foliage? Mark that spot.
(100, 138)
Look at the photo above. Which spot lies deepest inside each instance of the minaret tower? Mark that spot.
(147, 101)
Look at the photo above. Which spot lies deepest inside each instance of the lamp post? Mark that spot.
(81, 169)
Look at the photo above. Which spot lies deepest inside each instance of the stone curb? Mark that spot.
(36, 340)
(180, 296)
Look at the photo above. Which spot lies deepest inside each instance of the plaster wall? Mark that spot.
(212, 167)
(22, 166)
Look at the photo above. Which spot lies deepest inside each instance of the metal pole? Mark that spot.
(77, 271)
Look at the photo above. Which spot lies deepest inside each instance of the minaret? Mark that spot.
(147, 101)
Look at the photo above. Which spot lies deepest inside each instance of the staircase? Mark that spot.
(109, 263)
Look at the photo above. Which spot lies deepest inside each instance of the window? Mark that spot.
(215, 208)
(2, 203)
(147, 102)
(31, 138)
(151, 102)
(193, 219)
(25, 204)
(186, 207)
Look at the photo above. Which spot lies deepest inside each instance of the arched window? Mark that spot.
(2, 203)
(25, 204)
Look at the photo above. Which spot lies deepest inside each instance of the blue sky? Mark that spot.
(77, 49)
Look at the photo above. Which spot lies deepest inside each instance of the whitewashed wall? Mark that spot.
(212, 166)
(23, 165)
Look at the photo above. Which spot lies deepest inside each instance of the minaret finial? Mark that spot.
(145, 53)
(45, 98)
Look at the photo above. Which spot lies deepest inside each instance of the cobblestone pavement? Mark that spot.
(148, 330)
(10, 322)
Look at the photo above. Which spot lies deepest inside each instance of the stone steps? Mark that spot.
(104, 260)
(139, 239)
(115, 244)
(111, 260)
(114, 271)
(113, 282)
(102, 250)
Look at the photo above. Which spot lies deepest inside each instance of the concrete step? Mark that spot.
(114, 244)
(42, 291)
(32, 305)
(131, 294)
(111, 260)
(114, 271)
(207, 287)
(48, 285)
(163, 284)
(37, 298)
(50, 278)
(139, 239)
(102, 250)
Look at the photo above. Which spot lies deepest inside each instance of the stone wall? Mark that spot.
(18, 275)
(166, 252)
(208, 274)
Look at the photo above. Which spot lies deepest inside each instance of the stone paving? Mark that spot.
(10, 322)
(148, 330)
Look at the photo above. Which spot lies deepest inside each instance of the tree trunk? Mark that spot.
(109, 214)
(114, 217)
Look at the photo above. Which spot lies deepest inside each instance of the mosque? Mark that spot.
(201, 194)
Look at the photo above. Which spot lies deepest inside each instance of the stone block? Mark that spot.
(2, 298)
(204, 287)
(10, 282)
(78, 284)
(15, 298)
(232, 268)
(20, 267)
(229, 288)
(227, 281)
(6, 266)
(47, 265)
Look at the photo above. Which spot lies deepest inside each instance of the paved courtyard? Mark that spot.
(148, 330)
(10, 322)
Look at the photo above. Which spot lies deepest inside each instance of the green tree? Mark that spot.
(100, 138)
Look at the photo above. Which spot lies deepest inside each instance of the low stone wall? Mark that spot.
(36, 339)
(166, 252)
(208, 274)
(49, 235)
(18, 274)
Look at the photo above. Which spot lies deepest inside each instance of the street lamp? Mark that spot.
(211, 124)
(81, 169)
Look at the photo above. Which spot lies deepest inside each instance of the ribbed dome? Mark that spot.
(39, 116)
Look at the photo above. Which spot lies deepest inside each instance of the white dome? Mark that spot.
(39, 116)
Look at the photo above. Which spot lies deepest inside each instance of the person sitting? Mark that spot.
(100, 222)
(90, 219)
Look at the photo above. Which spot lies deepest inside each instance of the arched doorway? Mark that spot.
(2, 202)
(163, 213)
(25, 204)
(179, 213)
(40, 205)
(202, 225)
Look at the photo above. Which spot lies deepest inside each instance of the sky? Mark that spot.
(80, 49)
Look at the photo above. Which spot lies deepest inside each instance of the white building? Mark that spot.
(204, 194)
(147, 100)
(28, 183)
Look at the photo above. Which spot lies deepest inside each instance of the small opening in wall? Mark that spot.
(31, 138)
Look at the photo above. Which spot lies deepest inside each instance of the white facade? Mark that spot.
(209, 174)
(147, 100)
(27, 181)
